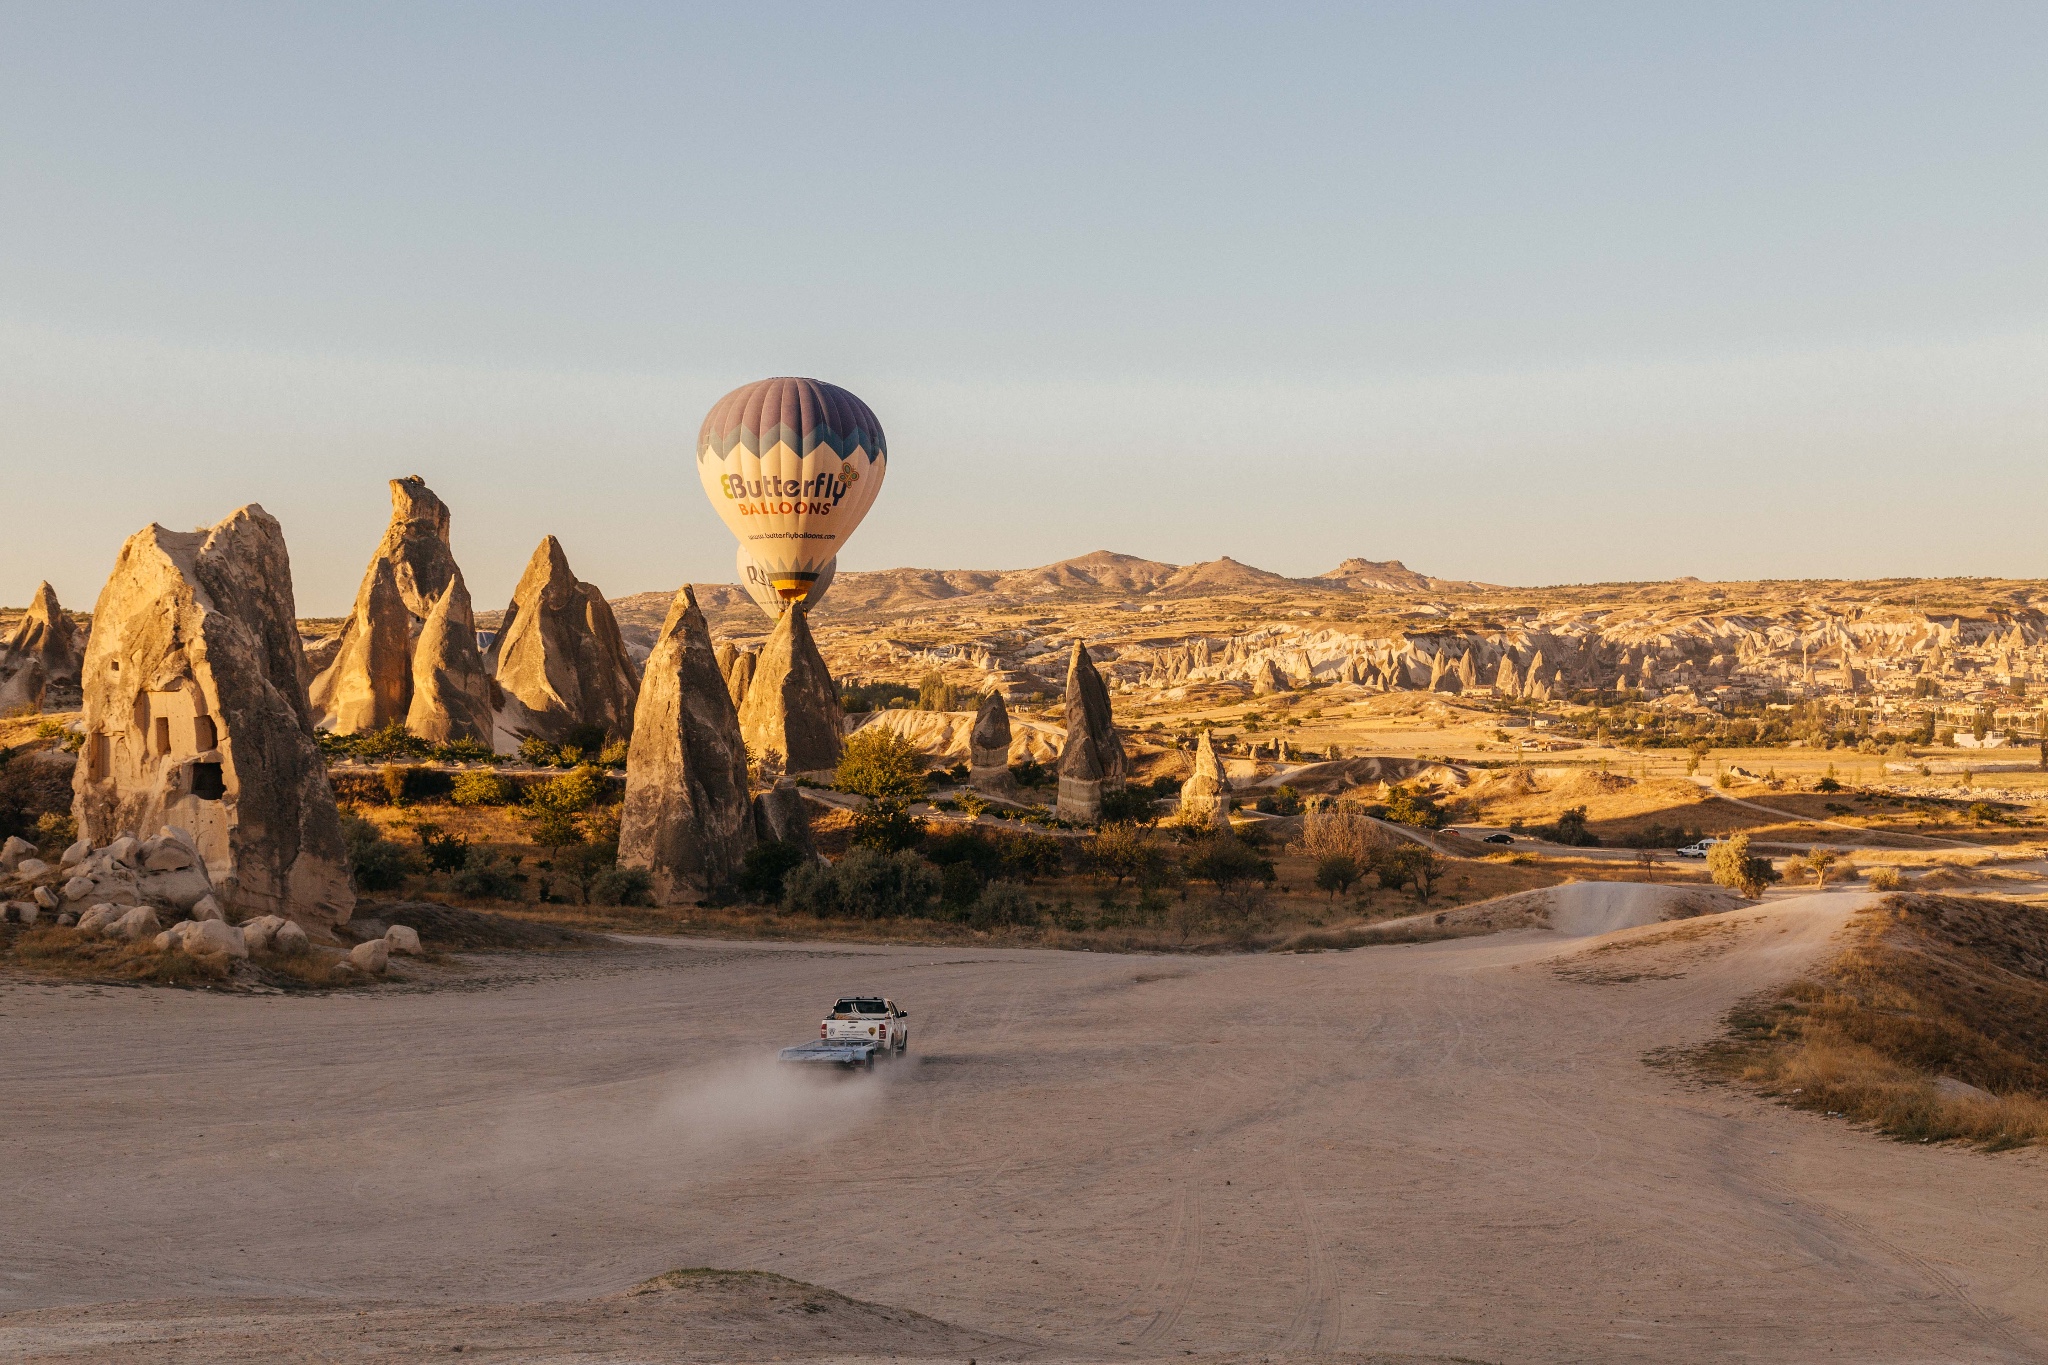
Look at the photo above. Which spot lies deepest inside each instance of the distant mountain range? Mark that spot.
(1103, 574)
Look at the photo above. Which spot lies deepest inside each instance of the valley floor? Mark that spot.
(1445, 1150)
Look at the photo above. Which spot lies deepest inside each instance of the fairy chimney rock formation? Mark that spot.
(47, 636)
(1267, 679)
(791, 718)
(451, 694)
(1080, 791)
(559, 659)
(369, 684)
(195, 719)
(739, 676)
(1092, 760)
(1205, 796)
(988, 748)
(688, 820)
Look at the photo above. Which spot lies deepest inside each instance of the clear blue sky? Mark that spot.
(1529, 293)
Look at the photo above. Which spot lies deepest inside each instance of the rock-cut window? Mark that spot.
(207, 783)
(205, 734)
(163, 736)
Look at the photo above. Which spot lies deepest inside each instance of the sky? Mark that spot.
(1516, 292)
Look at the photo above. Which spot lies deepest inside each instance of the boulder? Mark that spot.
(373, 956)
(96, 919)
(259, 934)
(687, 819)
(122, 851)
(988, 748)
(138, 921)
(289, 940)
(165, 855)
(46, 898)
(180, 890)
(780, 813)
(77, 853)
(78, 888)
(13, 851)
(559, 660)
(401, 938)
(206, 908)
(209, 936)
(791, 719)
(451, 692)
(369, 684)
(1205, 796)
(194, 720)
(29, 868)
(47, 637)
(22, 912)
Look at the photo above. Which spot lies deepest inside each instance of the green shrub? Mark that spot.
(881, 765)
(487, 876)
(959, 884)
(394, 741)
(766, 868)
(886, 825)
(1419, 809)
(621, 886)
(879, 696)
(1030, 773)
(1003, 903)
(443, 852)
(464, 751)
(1226, 860)
(539, 752)
(866, 884)
(1132, 805)
(613, 755)
(404, 785)
(479, 787)
(376, 863)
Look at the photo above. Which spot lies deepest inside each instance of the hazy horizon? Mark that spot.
(1586, 294)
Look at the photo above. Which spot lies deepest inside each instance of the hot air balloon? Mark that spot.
(755, 580)
(791, 465)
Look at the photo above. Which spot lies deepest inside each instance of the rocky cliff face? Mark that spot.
(369, 684)
(195, 719)
(688, 819)
(559, 660)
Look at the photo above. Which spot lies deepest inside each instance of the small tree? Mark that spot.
(1730, 865)
(1414, 808)
(1335, 872)
(1818, 861)
(881, 765)
(1118, 851)
(1408, 864)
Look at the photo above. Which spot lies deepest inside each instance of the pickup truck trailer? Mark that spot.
(859, 1029)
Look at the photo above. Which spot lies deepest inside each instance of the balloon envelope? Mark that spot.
(791, 466)
(755, 580)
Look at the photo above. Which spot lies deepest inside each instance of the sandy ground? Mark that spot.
(1448, 1150)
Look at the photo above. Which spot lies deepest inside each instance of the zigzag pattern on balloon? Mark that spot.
(800, 414)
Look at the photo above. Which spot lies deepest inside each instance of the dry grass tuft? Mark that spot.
(47, 950)
(1932, 1025)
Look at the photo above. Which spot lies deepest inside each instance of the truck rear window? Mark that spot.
(860, 1007)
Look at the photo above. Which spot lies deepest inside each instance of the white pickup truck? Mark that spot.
(859, 1028)
(1698, 850)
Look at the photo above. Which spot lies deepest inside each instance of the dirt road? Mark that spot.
(1450, 1149)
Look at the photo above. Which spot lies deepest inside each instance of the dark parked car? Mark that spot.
(1498, 839)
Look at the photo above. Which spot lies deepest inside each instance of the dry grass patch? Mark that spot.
(52, 952)
(1931, 1025)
